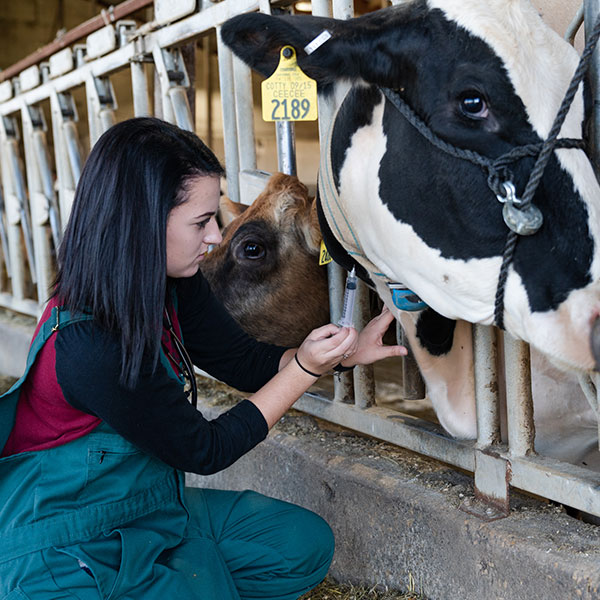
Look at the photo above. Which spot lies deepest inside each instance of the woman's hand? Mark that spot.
(370, 346)
(326, 346)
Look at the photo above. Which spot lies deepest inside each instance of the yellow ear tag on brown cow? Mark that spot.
(324, 256)
(289, 94)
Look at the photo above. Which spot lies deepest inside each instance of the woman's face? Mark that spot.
(191, 226)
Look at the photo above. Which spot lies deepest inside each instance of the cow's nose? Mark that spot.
(595, 342)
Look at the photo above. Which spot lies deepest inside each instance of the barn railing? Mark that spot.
(38, 113)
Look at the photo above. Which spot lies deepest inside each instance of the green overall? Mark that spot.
(98, 519)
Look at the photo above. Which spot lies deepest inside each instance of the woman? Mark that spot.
(98, 432)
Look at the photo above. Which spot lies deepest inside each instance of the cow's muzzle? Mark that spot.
(595, 342)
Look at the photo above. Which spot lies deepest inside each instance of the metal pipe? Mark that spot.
(73, 150)
(591, 11)
(3, 236)
(181, 108)
(21, 195)
(286, 147)
(364, 380)
(230, 136)
(485, 357)
(78, 33)
(575, 25)
(519, 403)
(244, 112)
(41, 151)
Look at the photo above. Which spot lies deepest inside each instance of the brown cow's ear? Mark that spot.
(229, 210)
(311, 229)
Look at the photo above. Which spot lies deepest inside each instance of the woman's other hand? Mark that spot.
(370, 347)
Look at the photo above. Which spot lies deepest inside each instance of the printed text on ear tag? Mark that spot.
(324, 256)
(289, 94)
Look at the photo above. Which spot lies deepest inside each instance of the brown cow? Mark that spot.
(266, 270)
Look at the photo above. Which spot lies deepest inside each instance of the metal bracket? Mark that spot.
(492, 477)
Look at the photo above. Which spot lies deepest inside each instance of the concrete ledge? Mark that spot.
(396, 519)
(395, 514)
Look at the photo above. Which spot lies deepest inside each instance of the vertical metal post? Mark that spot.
(67, 150)
(519, 404)
(230, 134)
(244, 113)
(343, 383)
(286, 147)
(485, 356)
(413, 386)
(139, 80)
(364, 381)
(591, 11)
(13, 215)
(37, 180)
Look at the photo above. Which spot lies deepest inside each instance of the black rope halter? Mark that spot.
(520, 215)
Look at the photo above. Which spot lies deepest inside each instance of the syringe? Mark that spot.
(349, 295)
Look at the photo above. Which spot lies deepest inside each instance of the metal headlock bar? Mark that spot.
(38, 188)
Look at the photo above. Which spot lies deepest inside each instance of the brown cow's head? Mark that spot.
(266, 269)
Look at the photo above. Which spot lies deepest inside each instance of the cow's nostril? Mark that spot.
(595, 342)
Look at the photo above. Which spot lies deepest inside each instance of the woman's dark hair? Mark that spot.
(112, 261)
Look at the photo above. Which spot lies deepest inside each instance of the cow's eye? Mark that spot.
(253, 250)
(473, 105)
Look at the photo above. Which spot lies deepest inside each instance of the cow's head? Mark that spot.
(266, 269)
(486, 76)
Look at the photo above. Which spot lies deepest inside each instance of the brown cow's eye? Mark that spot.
(253, 250)
(473, 105)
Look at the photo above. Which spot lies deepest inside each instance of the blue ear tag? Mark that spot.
(405, 299)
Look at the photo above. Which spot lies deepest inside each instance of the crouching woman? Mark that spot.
(98, 432)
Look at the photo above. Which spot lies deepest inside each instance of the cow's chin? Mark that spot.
(563, 335)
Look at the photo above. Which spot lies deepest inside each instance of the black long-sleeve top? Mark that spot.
(156, 415)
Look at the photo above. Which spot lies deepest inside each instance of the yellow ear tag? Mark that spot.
(324, 256)
(289, 94)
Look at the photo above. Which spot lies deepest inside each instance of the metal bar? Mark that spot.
(591, 11)
(67, 155)
(394, 427)
(41, 152)
(519, 403)
(343, 383)
(244, 113)
(73, 149)
(4, 236)
(230, 135)
(364, 381)
(139, 80)
(81, 31)
(485, 357)
(575, 25)
(34, 126)
(568, 484)
(13, 218)
(19, 188)
(286, 147)
(413, 386)
(181, 107)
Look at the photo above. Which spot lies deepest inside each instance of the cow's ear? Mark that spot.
(374, 47)
(229, 210)
(258, 38)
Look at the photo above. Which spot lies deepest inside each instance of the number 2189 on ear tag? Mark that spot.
(289, 94)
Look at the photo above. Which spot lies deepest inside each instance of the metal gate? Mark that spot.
(38, 112)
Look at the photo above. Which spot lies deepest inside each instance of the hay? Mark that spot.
(330, 590)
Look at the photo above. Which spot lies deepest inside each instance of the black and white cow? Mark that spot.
(486, 76)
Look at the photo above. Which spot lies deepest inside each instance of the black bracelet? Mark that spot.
(305, 370)
(340, 368)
